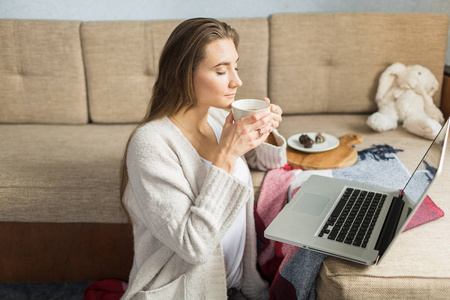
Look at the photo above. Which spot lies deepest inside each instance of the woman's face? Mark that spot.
(216, 79)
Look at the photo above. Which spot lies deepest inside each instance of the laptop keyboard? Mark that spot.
(354, 218)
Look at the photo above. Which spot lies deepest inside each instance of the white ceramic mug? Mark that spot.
(246, 107)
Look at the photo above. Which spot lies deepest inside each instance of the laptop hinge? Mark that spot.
(390, 225)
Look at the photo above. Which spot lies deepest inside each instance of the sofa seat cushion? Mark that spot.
(61, 173)
(417, 266)
(64, 173)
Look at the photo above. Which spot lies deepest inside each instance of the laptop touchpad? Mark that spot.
(311, 204)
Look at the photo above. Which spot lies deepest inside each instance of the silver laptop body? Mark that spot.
(315, 220)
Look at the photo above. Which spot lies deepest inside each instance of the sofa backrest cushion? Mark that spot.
(331, 62)
(42, 73)
(121, 61)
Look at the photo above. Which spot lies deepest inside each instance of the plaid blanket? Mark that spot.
(292, 271)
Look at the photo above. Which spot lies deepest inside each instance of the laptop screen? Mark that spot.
(426, 170)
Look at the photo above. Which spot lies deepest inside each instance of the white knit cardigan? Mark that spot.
(180, 212)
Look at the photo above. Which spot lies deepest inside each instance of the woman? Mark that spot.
(186, 184)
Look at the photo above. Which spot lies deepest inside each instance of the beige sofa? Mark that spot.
(71, 93)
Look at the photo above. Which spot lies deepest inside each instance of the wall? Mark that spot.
(88, 10)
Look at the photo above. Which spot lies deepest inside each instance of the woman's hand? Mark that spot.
(242, 136)
(276, 120)
(277, 112)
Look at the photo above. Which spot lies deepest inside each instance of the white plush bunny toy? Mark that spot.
(405, 95)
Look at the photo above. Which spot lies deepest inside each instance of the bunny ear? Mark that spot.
(387, 80)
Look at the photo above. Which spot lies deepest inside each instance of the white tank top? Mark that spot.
(233, 242)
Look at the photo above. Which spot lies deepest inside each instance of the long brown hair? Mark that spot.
(174, 88)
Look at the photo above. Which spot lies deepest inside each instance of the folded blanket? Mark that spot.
(108, 289)
(292, 271)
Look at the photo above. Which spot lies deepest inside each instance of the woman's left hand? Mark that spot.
(276, 113)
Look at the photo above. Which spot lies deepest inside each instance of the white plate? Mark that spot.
(330, 143)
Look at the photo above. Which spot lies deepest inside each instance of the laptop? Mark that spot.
(355, 221)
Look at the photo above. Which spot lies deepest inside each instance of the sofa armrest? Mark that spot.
(445, 97)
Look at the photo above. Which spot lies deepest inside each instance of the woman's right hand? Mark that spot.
(240, 137)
